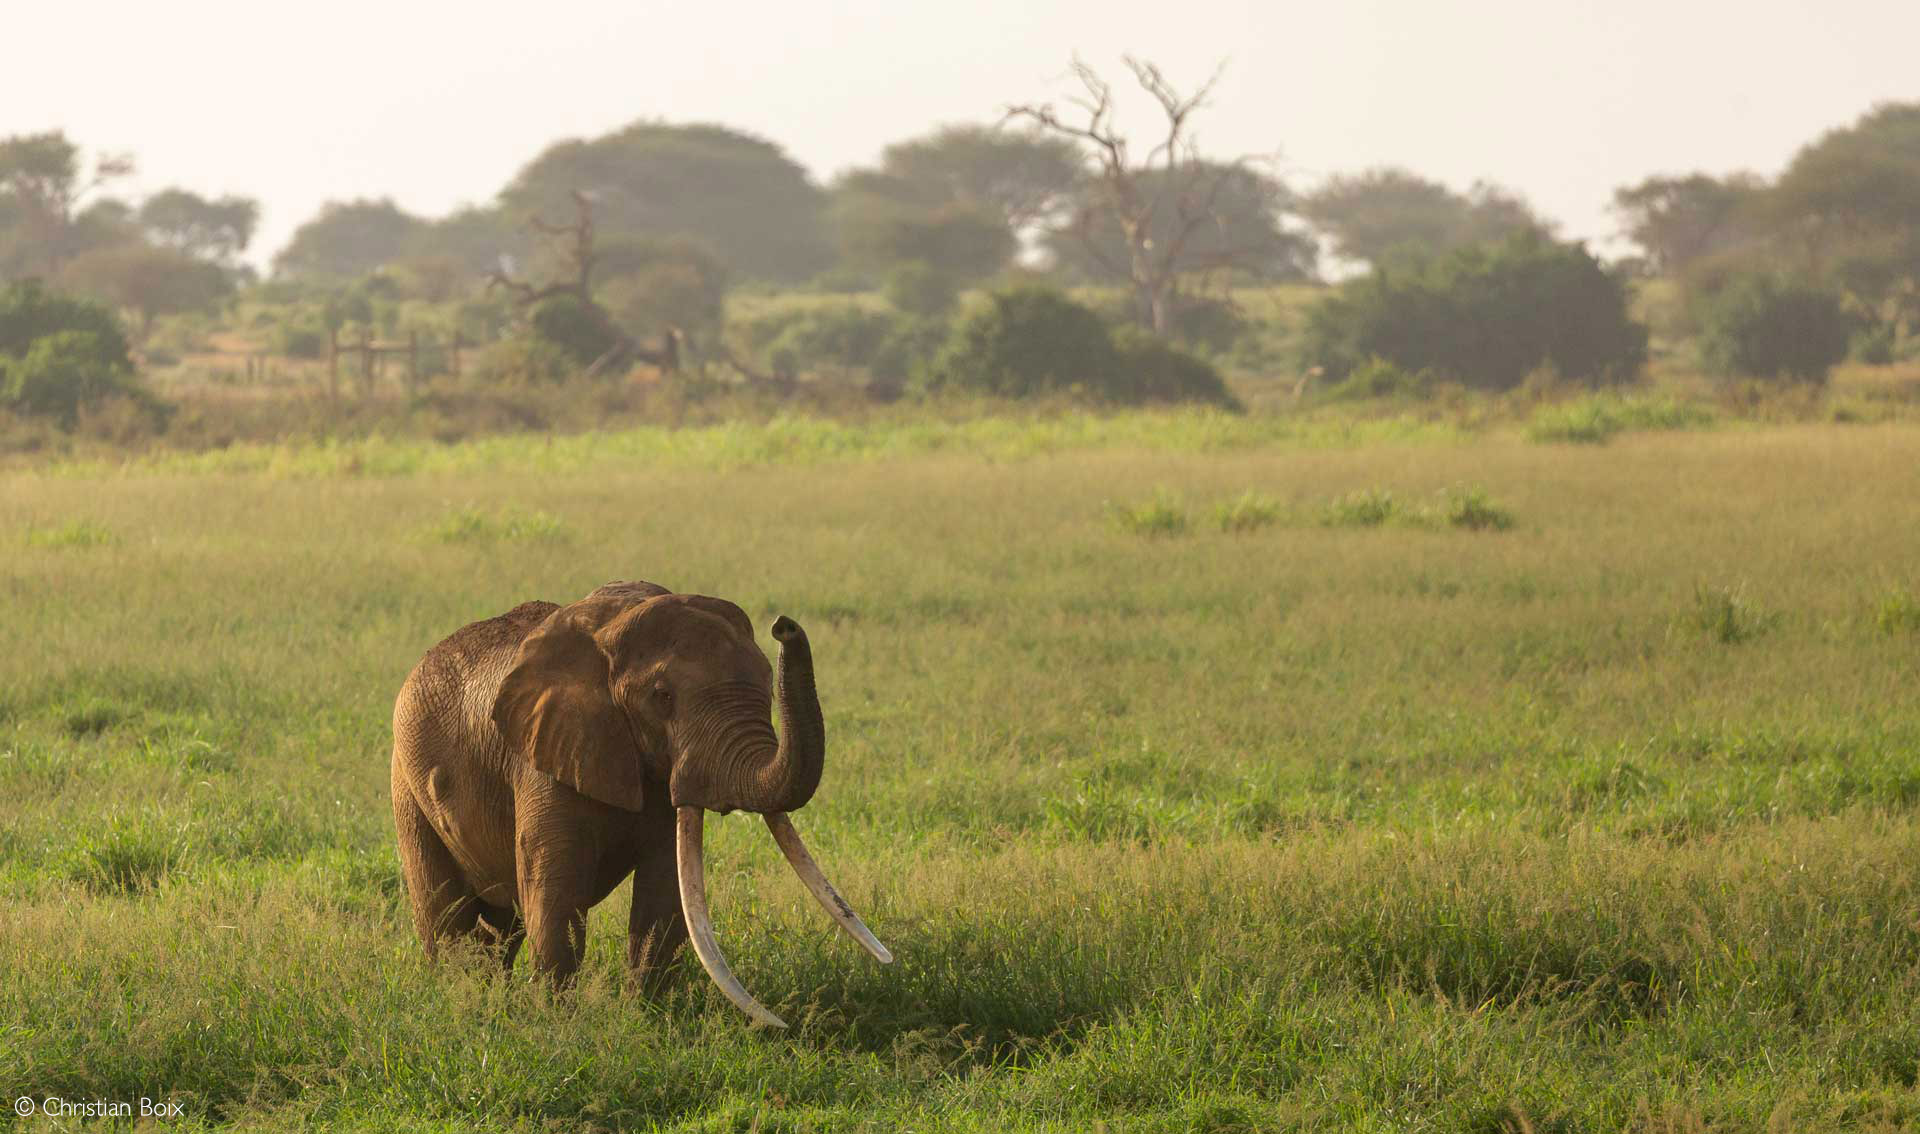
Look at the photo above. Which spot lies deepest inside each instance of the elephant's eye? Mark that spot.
(663, 697)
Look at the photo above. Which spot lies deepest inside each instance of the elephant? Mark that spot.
(542, 756)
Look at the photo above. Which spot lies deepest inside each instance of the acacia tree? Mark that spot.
(1149, 222)
(216, 231)
(565, 309)
(42, 184)
(1379, 214)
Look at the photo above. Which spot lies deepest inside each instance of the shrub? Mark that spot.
(1899, 613)
(572, 326)
(520, 361)
(1147, 369)
(62, 372)
(1592, 420)
(1726, 615)
(300, 340)
(1162, 514)
(472, 525)
(59, 353)
(1378, 378)
(918, 288)
(1473, 509)
(1027, 340)
(841, 334)
(1246, 512)
(1210, 324)
(1367, 508)
(1485, 315)
(1768, 326)
(73, 533)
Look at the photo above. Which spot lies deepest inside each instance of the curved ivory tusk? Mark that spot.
(823, 891)
(693, 902)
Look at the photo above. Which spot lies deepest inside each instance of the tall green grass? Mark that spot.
(1277, 825)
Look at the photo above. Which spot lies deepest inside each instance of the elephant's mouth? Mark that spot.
(693, 902)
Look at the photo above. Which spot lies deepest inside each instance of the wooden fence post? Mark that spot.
(333, 364)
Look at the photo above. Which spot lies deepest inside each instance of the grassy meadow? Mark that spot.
(1202, 773)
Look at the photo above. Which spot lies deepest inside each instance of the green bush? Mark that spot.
(1149, 370)
(1769, 326)
(572, 326)
(1594, 419)
(1473, 509)
(1378, 378)
(918, 288)
(525, 360)
(59, 354)
(1249, 511)
(1162, 514)
(300, 340)
(1366, 508)
(1484, 315)
(1029, 340)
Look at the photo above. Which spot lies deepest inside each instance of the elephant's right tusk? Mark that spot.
(693, 902)
(823, 891)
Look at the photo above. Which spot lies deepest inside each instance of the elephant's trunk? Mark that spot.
(788, 778)
(734, 763)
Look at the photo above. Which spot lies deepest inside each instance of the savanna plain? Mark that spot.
(1200, 775)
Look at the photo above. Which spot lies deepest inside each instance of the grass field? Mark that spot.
(1200, 777)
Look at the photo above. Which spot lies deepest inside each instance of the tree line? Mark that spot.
(623, 245)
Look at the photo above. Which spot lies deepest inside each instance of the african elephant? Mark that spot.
(542, 756)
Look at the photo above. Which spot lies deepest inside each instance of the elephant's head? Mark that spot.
(609, 693)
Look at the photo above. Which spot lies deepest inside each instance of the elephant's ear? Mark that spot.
(556, 708)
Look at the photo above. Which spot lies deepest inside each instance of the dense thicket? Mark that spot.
(1485, 316)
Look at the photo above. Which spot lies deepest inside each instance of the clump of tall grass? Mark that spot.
(1594, 419)
(1365, 508)
(1464, 506)
(1162, 514)
(73, 533)
(1898, 613)
(475, 525)
(1246, 512)
(1726, 615)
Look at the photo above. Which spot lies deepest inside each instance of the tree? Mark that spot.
(1027, 340)
(1766, 325)
(565, 311)
(42, 184)
(1151, 222)
(216, 231)
(1021, 177)
(1678, 220)
(737, 194)
(148, 281)
(959, 240)
(1484, 315)
(1382, 213)
(348, 239)
(58, 353)
(1847, 209)
(1243, 232)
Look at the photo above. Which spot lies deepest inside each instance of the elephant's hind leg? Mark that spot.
(445, 907)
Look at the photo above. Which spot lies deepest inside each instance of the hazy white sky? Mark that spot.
(435, 104)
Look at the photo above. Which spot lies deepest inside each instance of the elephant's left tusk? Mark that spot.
(823, 891)
(693, 902)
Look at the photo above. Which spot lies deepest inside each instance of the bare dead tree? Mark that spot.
(1159, 206)
(578, 285)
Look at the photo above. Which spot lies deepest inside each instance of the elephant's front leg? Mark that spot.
(554, 868)
(656, 927)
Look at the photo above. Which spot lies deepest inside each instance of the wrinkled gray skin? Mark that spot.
(538, 758)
